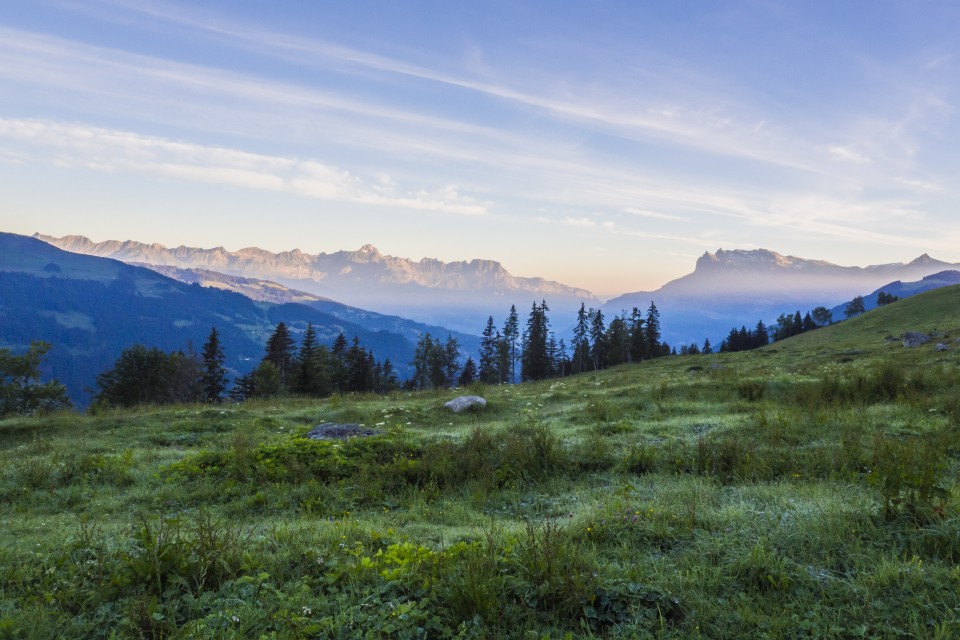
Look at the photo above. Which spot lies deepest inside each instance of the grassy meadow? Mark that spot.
(805, 490)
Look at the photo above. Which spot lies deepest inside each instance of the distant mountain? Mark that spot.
(459, 295)
(275, 293)
(902, 290)
(735, 288)
(91, 308)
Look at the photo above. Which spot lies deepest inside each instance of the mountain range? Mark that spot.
(726, 289)
(91, 308)
(733, 288)
(459, 295)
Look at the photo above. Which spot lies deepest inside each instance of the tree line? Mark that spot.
(144, 375)
(594, 345)
(789, 325)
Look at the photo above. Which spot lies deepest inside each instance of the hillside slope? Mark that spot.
(91, 308)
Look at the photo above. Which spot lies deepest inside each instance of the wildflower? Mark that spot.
(234, 619)
(307, 611)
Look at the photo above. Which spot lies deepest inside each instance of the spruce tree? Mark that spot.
(581, 340)
(451, 360)
(535, 359)
(511, 334)
(638, 341)
(597, 340)
(651, 332)
(469, 373)
(214, 376)
(489, 354)
(281, 352)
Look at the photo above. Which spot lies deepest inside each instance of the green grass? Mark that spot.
(808, 489)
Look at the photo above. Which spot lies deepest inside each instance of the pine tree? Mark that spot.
(651, 332)
(388, 378)
(581, 340)
(707, 347)
(762, 338)
(598, 346)
(281, 351)
(469, 373)
(312, 377)
(617, 342)
(511, 335)
(338, 364)
(359, 368)
(214, 376)
(489, 354)
(535, 359)
(638, 341)
(451, 360)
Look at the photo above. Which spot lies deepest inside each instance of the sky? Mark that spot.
(602, 144)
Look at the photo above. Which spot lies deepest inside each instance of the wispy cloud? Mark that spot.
(656, 215)
(107, 150)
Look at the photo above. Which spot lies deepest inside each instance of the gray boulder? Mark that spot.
(913, 339)
(465, 402)
(941, 347)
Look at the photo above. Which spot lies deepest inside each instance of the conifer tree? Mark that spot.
(651, 332)
(638, 343)
(281, 351)
(511, 331)
(597, 340)
(214, 376)
(312, 377)
(581, 340)
(338, 364)
(469, 373)
(535, 359)
(617, 342)
(451, 360)
(489, 354)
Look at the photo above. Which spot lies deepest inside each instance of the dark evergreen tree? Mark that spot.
(707, 347)
(651, 332)
(535, 359)
(214, 377)
(489, 370)
(359, 368)
(598, 347)
(281, 351)
(762, 334)
(338, 364)
(581, 340)
(312, 367)
(451, 360)
(638, 344)
(617, 342)
(562, 366)
(387, 381)
(511, 335)
(469, 373)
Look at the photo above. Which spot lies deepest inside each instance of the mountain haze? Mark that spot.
(739, 287)
(458, 295)
(91, 308)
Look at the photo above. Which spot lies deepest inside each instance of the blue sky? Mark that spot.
(605, 145)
